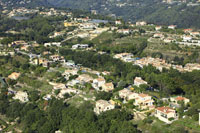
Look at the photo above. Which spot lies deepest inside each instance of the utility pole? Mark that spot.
(199, 116)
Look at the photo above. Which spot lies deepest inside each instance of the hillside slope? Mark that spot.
(26, 3)
(153, 11)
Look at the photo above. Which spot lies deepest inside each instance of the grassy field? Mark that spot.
(169, 50)
(178, 126)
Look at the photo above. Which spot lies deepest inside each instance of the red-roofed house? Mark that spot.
(172, 27)
(194, 33)
(188, 30)
(108, 87)
(139, 81)
(144, 101)
(158, 27)
(179, 99)
(166, 114)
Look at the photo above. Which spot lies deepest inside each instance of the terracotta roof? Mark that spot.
(14, 75)
(103, 102)
(188, 30)
(140, 80)
(165, 109)
(100, 79)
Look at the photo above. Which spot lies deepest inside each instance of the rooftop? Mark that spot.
(165, 110)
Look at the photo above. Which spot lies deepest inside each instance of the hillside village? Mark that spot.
(56, 75)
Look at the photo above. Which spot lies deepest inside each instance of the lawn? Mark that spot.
(76, 101)
(177, 126)
(190, 124)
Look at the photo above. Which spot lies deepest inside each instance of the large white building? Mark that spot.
(178, 99)
(69, 91)
(22, 96)
(139, 81)
(144, 101)
(108, 87)
(102, 106)
(141, 23)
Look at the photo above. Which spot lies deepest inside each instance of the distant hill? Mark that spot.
(153, 11)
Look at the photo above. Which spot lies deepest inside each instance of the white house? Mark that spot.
(187, 30)
(127, 94)
(47, 44)
(22, 96)
(81, 46)
(144, 101)
(128, 59)
(47, 97)
(75, 46)
(73, 82)
(158, 35)
(118, 22)
(69, 72)
(139, 81)
(57, 44)
(187, 38)
(106, 73)
(57, 86)
(166, 114)
(70, 63)
(102, 106)
(57, 58)
(195, 33)
(85, 78)
(172, 27)
(123, 55)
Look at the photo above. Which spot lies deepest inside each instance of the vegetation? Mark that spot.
(65, 117)
(168, 82)
(75, 112)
